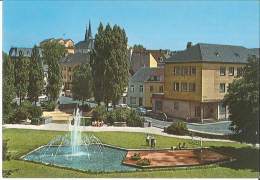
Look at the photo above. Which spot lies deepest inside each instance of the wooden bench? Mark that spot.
(120, 124)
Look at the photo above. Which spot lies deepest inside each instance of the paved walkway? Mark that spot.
(66, 127)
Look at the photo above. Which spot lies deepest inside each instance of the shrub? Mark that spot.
(49, 105)
(179, 128)
(136, 157)
(99, 113)
(143, 162)
(21, 113)
(85, 121)
(35, 112)
(117, 115)
(134, 119)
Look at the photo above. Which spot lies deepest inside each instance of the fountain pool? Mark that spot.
(77, 151)
(90, 159)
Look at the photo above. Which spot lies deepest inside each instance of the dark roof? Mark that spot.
(76, 58)
(202, 52)
(85, 44)
(144, 74)
(14, 52)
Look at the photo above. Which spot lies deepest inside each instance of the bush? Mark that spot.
(49, 105)
(143, 162)
(85, 121)
(21, 113)
(35, 112)
(117, 115)
(134, 119)
(179, 128)
(136, 157)
(99, 113)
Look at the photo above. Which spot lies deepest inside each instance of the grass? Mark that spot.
(23, 141)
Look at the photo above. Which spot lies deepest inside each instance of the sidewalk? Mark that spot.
(65, 127)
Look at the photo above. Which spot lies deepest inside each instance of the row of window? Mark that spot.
(69, 69)
(141, 89)
(184, 71)
(231, 71)
(64, 77)
(184, 87)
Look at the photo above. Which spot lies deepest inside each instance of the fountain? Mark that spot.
(79, 151)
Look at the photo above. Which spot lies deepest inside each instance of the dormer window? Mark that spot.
(237, 55)
(217, 54)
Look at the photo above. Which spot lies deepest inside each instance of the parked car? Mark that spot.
(141, 110)
(122, 106)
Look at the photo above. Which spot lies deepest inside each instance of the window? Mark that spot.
(239, 71)
(158, 105)
(185, 71)
(222, 71)
(231, 71)
(177, 71)
(222, 108)
(197, 111)
(184, 87)
(176, 86)
(132, 100)
(69, 69)
(192, 87)
(176, 105)
(132, 88)
(70, 77)
(193, 71)
(141, 88)
(161, 89)
(140, 101)
(222, 88)
(151, 88)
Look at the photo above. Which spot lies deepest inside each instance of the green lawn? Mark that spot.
(23, 141)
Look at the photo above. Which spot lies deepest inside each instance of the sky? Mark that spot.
(154, 24)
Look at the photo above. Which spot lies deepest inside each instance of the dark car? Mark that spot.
(141, 110)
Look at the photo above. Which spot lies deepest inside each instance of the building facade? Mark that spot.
(67, 43)
(197, 79)
(143, 84)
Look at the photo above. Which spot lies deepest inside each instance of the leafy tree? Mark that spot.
(36, 76)
(138, 47)
(52, 53)
(21, 76)
(110, 64)
(8, 87)
(82, 83)
(243, 102)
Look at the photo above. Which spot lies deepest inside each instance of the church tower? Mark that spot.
(86, 34)
(89, 31)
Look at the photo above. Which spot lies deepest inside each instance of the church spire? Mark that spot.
(86, 33)
(89, 30)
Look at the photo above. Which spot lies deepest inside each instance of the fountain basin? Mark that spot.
(88, 158)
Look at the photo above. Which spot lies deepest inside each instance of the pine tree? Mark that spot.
(8, 87)
(21, 76)
(82, 83)
(36, 76)
(52, 53)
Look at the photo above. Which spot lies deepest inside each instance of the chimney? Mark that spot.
(189, 44)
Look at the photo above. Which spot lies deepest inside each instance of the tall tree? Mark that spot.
(110, 63)
(82, 83)
(21, 76)
(243, 102)
(52, 53)
(8, 87)
(36, 76)
(98, 65)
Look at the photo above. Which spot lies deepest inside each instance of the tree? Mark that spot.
(8, 87)
(110, 64)
(21, 76)
(82, 83)
(243, 102)
(36, 76)
(138, 47)
(98, 66)
(52, 53)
